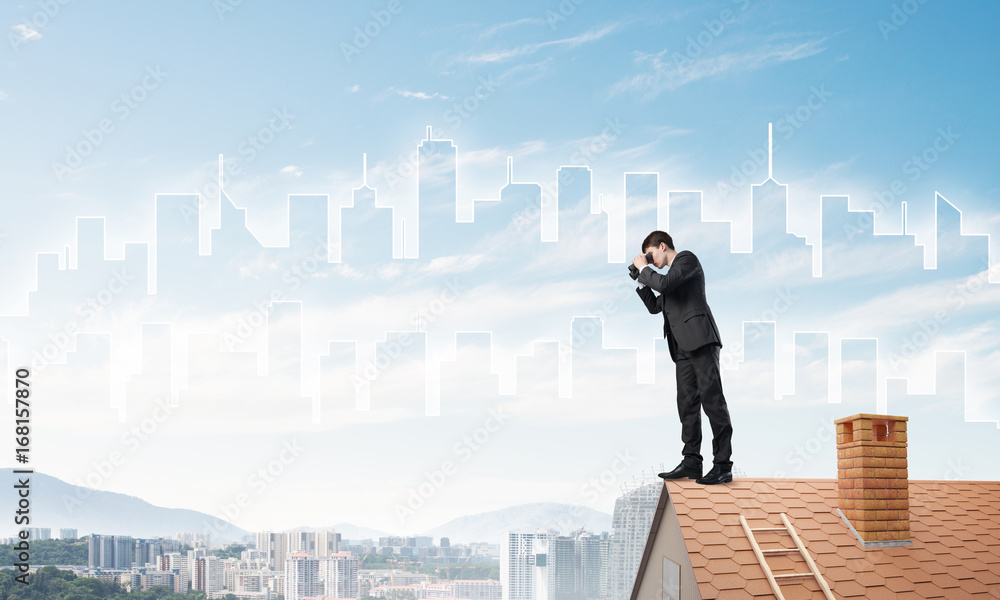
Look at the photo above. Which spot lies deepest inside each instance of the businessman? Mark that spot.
(694, 342)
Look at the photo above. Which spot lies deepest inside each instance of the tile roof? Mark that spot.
(954, 551)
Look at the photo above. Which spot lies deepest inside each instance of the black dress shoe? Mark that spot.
(681, 472)
(715, 476)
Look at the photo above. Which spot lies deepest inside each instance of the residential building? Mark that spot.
(301, 576)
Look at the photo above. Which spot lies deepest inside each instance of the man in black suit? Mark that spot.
(694, 342)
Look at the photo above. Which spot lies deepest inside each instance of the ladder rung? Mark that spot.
(799, 546)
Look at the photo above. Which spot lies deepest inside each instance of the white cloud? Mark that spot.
(3, 95)
(491, 31)
(390, 271)
(417, 95)
(452, 264)
(529, 72)
(26, 32)
(668, 72)
(291, 170)
(348, 271)
(498, 155)
(354, 89)
(912, 304)
(526, 49)
(636, 152)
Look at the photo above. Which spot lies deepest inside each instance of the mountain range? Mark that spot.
(57, 504)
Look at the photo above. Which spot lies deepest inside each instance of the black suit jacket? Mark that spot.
(688, 323)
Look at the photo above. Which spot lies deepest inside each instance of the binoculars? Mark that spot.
(633, 272)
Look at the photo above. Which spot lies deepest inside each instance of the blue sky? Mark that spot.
(872, 105)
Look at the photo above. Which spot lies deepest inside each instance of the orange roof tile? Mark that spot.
(954, 550)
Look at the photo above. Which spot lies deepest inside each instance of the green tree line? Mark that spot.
(50, 583)
(48, 552)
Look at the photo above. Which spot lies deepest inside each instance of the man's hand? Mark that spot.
(640, 261)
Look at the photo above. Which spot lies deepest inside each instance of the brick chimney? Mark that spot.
(872, 481)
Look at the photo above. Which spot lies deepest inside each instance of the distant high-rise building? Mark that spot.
(195, 540)
(39, 533)
(147, 551)
(208, 575)
(275, 545)
(301, 541)
(524, 565)
(327, 543)
(564, 560)
(176, 563)
(109, 552)
(254, 557)
(593, 564)
(67, 534)
(340, 576)
(301, 576)
(631, 520)
(192, 561)
(393, 541)
(605, 565)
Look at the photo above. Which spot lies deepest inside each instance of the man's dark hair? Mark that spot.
(657, 237)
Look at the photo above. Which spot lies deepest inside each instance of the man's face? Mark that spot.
(659, 255)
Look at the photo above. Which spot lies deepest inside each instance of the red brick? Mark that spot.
(892, 494)
(900, 525)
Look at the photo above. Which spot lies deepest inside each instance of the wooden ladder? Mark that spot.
(799, 547)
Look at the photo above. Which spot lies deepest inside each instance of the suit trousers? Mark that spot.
(699, 386)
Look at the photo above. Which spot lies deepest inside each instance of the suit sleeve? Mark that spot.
(649, 299)
(684, 269)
